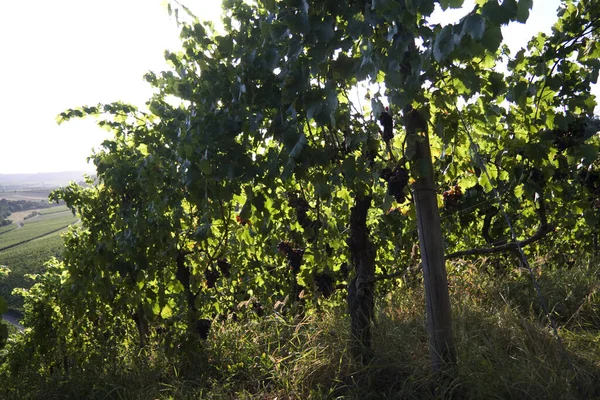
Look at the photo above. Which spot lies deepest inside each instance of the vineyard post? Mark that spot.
(437, 298)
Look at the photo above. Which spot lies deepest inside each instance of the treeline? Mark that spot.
(7, 207)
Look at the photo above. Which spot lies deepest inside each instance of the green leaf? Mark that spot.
(474, 25)
(246, 210)
(523, 10)
(205, 166)
(297, 23)
(166, 312)
(356, 28)
(3, 307)
(298, 147)
(325, 32)
(445, 4)
(202, 232)
(444, 44)
(312, 109)
(587, 153)
(349, 168)
(519, 190)
(560, 122)
(387, 203)
(590, 218)
(467, 182)
(270, 4)
(381, 5)
(485, 183)
(499, 14)
(492, 38)
(497, 83)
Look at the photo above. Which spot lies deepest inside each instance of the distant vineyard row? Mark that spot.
(28, 258)
(36, 228)
(25, 249)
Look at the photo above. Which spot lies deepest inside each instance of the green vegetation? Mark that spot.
(7, 207)
(4, 328)
(24, 259)
(506, 350)
(54, 210)
(7, 228)
(25, 250)
(258, 237)
(35, 228)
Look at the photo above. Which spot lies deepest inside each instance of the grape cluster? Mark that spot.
(570, 137)
(397, 181)
(211, 278)
(325, 283)
(345, 270)
(224, 267)
(293, 256)
(211, 275)
(385, 119)
(242, 221)
(452, 197)
(301, 205)
(202, 327)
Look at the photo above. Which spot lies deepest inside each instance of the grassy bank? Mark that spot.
(505, 349)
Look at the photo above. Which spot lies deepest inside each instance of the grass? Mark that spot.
(7, 228)
(35, 228)
(54, 210)
(505, 350)
(22, 216)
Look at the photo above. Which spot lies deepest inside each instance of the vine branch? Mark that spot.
(541, 232)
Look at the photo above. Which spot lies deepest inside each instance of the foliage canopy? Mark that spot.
(265, 136)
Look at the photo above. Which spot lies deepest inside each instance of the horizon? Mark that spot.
(48, 173)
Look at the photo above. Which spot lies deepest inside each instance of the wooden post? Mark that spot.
(437, 298)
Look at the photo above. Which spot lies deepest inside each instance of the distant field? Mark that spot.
(7, 228)
(35, 228)
(32, 195)
(25, 249)
(20, 216)
(54, 210)
(27, 258)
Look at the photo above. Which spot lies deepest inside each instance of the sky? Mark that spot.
(61, 54)
(66, 53)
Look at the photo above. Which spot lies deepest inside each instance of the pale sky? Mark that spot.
(67, 53)
(58, 54)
